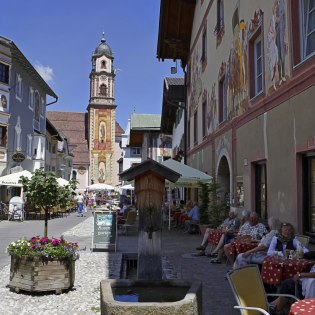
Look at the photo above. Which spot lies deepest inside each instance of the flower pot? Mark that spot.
(37, 275)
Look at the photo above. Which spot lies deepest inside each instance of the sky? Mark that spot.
(59, 36)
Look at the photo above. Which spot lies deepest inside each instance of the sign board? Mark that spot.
(18, 157)
(105, 230)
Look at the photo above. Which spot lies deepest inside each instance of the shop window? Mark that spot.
(303, 29)
(309, 193)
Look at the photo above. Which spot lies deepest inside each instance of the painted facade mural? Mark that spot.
(196, 83)
(236, 70)
(212, 111)
(102, 145)
(233, 75)
(4, 101)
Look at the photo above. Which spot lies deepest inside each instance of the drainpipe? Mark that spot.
(185, 114)
(53, 102)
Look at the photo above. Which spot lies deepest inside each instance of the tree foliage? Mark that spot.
(204, 204)
(42, 191)
(217, 208)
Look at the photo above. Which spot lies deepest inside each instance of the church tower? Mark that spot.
(102, 115)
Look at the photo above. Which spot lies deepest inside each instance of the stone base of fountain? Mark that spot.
(150, 297)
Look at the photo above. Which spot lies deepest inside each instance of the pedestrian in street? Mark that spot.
(80, 202)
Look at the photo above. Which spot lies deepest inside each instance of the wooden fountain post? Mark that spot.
(149, 179)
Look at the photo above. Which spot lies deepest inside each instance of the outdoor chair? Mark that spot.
(303, 239)
(130, 221)
(249, 291)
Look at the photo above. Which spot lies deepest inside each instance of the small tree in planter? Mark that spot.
(217, 209)
(204, 207)
(43, 191)
(32, 258)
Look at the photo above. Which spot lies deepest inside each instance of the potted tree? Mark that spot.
(217, 208)
(40, 263)
(42, 190)
(204, 207)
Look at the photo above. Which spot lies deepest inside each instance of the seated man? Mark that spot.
(305, 286)
(252, 228)
(259, 253)
(193, 219)
(229, 227)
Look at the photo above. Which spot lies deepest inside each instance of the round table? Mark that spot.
(275, 270)
(214, 236)
(241, 246)
(303, 307)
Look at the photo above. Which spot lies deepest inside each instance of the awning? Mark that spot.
(189, 176)
(13, 179)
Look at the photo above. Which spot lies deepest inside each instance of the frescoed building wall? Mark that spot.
(250, 85)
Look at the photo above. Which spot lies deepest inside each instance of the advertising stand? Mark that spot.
(105, 231)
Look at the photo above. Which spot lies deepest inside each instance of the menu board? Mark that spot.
(105, 230)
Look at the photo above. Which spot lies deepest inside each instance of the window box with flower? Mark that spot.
(42, 264)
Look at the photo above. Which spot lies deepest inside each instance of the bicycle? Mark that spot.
(16, 214)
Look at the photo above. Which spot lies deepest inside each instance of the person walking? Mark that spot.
(80, 202)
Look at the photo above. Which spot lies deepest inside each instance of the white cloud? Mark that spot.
(46, 72)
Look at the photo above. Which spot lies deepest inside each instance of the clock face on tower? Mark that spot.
(103, 77)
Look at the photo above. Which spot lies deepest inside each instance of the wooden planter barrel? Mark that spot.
(36, 275)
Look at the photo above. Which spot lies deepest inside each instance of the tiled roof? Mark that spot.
(74, 126)
(145, 121)
(118, 130)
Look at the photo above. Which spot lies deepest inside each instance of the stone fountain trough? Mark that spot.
(151, 297)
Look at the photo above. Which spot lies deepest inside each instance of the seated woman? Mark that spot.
(285, 241)
(259, 253)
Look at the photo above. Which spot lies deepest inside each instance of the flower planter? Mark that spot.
(36, 275)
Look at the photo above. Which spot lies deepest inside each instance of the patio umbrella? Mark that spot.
(62, 182)
(127, 187)
(100, 186)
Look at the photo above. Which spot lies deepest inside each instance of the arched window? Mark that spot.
(103, 64)
(103, 90)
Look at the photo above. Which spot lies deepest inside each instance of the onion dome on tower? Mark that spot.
(103, 49)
